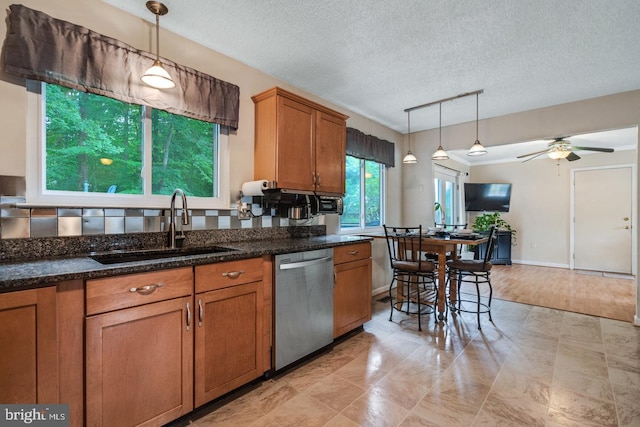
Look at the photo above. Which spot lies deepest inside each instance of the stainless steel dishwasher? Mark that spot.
(303, 304)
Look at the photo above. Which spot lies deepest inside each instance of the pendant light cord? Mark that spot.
(409, 127)
(440, 127)
(477, 116)
(157, 37)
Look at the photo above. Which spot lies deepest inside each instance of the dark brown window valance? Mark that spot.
(43, 48)
(369, 147)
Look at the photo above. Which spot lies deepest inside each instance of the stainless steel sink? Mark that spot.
(118, 257)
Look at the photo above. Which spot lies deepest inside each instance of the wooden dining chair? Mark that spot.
(477, 272)
(414, 276)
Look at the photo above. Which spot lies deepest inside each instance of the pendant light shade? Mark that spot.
(157, 76)
(409, 157)
(477, 149)
(440, 154)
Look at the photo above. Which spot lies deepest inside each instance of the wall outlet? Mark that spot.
(244, 211)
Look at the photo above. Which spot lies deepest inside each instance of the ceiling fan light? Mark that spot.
(156, 76)
(477, 149)
(440, 154)
(409, 158)
(558, 153)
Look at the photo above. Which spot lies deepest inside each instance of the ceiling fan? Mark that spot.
(561, 148)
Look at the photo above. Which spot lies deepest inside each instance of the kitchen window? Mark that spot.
(364, 196)
(91, 150)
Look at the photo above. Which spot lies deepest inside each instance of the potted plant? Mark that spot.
(482, 223)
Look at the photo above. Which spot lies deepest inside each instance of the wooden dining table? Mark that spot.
(443, 245)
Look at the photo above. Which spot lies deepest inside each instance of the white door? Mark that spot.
(602, 219)
(447, 193)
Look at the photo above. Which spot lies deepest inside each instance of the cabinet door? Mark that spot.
(228, 339)
(351, 296)
(330, 152)
(295, 157)
(28, 359)
(139, 364)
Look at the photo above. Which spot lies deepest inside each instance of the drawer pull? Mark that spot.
(146, 289)
(354, 253)
(233, 274)
(201, 312)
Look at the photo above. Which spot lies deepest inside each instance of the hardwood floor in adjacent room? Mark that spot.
(564, 289)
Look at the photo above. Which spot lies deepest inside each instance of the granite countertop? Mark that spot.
(34, 273)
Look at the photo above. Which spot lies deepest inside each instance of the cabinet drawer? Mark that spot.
(114, 293)
(225, 274)
(351, 252)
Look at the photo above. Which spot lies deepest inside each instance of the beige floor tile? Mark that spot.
(375, 411)
(341, 421)
(302, 410)
(516, 385)
(335, 392)
(569, 408)
(532, 366)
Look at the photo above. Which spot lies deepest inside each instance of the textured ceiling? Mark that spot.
(379, 57)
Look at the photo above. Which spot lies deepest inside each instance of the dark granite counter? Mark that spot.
(16, 274)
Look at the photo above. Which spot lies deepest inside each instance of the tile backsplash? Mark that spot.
(17, 221)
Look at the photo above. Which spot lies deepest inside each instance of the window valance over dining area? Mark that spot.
(369, 147)
(40, 47)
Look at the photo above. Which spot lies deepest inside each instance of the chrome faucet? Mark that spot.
(172, 220)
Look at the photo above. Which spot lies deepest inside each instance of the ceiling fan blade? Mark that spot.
(572, 156)
(603, 150)
(536, 155)
(533, 154)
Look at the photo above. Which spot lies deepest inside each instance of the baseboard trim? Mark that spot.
(539, 263)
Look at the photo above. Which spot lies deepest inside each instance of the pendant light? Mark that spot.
(409, 157)
(440, 154)
(477, 149)
(157, 76)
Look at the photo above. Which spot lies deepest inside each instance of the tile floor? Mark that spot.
(533, 367)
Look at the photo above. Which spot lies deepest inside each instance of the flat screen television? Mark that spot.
(487, 197)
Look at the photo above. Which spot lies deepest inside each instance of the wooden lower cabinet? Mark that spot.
(228, 340)
(28, 337)
(139, 348)
(229, 326)
(352, 287)
(139, 364)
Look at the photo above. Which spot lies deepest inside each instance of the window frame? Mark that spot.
(383, 200)
(37, 195)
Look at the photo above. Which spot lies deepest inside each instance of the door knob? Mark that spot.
(626, 218)
(627, 227)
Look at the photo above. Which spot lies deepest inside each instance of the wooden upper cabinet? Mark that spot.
(299, 144)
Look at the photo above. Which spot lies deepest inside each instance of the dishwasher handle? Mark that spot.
(307, 263)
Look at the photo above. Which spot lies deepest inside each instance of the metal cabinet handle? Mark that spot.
(146, 289)
(318, 179)
(188, 316)
(233, 274)
(201, 312)
(354, 253)
(335, 279)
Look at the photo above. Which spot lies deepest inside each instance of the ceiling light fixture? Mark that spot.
(440, 154)
(157, 76)
(409, 157)
(558, 153)
(477, 149)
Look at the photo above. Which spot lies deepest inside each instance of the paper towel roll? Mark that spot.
(254, 188)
